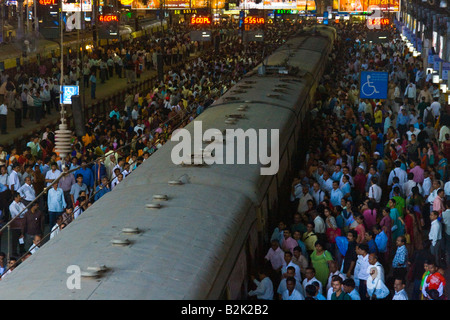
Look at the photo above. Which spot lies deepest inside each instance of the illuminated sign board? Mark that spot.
(284, 11)
(185, 11)
(369, 5)
(108, 18)
(301, 5)
(48, 2)
(253, 20)
(378, 21)
(75, 6)
(200, 20)
(126, 2)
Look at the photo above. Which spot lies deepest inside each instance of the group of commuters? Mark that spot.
(370, 208)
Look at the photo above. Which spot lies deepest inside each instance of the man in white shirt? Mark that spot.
(397, 172)
(27, 191)
(435, 236)
(319, 224)
(282, 286)
(264, 290)
(17, 211)
(375, 191)
(310, 277)
(52, 174)
(399, 288)
(13, 179)
(426, 185)
(3, 117)
(436, 107)
(116, 180)
(289, 263)
(407, 187)
(363, 251)
(275, 255)
(317, 194)
(303, 203)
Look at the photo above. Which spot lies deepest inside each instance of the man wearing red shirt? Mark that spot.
(435, 281)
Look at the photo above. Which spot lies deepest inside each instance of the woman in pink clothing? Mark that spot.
(369, 213)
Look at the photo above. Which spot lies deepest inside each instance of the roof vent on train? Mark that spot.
(231, 98)
(275, 96)
(242, 107)
(174, 183)
(153, 205)
(249, 81)
(237, 91)
(130, 230)
(120, 242)
(160, 197)
(279, 90)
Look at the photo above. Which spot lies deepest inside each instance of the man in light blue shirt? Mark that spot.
(336, 194)
(349, 287)
(381, 241)
(291, 293)
(264, 290)
(56, 203)
(399, 287)
(282, 287)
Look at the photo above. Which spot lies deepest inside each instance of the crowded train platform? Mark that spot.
(367, 211)
(370, 206)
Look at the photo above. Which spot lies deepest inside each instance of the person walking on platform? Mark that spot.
(3, 116)
(93, 81)
(16, 107)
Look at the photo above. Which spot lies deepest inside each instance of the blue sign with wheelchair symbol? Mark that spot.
(67, 93)
(373, 85)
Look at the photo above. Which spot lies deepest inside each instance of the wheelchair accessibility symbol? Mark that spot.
(373, 85)
(68, 92)
(368, 89)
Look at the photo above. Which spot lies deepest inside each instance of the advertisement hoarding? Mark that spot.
(367, 5)
(76, 6)
(301, 5)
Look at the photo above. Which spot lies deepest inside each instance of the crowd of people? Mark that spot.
(370, 208)
(41, 191)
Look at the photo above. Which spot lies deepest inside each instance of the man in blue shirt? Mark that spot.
(56, 204)
(98, 170)
(102, 189)
(88, 176)
(349, 288)
(264, 290)
(381, 241)
(336, 194)
(400, 258)
(402, 121)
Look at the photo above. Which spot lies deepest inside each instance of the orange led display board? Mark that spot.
(378, 21)
(200, 20)
(253, 20)
(108, 18)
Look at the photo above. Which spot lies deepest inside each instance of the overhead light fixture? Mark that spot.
(443, 87)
